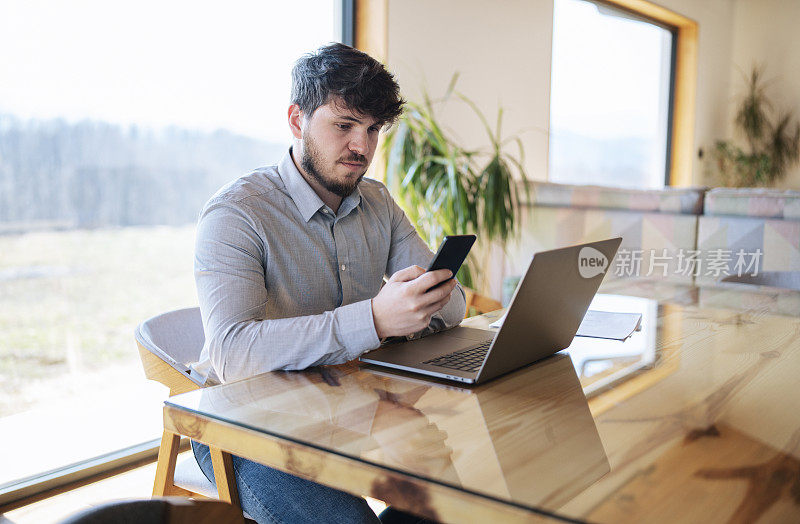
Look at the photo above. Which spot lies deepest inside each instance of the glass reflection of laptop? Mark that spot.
(542, 319)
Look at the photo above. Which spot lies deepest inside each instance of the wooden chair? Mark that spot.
(478, 303)
(168, 343)
(160, 511)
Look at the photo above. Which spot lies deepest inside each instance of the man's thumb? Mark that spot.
(409, 273)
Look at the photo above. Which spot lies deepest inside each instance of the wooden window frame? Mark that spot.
(371, 32)
(684, 82)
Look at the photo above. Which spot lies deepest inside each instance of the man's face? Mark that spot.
(338, 145)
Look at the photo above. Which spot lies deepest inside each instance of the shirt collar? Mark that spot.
(350, 202)
(304, 196)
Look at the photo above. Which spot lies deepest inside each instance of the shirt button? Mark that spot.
(344, 267)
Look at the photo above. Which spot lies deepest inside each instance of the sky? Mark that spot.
(196, 64)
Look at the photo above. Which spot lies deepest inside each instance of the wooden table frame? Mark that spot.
(405, 492)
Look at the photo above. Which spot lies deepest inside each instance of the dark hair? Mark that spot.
(362, 83)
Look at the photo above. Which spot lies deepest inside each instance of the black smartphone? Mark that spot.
(451, 254)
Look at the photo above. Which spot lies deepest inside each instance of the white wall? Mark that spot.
(714, 19)
(502, 52)
(765, 33)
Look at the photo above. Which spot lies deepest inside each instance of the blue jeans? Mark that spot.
(269, 495)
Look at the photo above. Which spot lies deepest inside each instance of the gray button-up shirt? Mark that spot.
(286, 283)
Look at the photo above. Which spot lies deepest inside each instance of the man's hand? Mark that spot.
(404, 305)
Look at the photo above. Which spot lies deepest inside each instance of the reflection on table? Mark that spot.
(526, 438)
(601, 363)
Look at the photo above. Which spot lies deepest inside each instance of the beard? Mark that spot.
(311, 161)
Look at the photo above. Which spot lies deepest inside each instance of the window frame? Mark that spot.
(683, 90)
(348, 29)
(43, 485)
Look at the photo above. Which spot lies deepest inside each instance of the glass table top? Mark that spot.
(681, 421)
(527, 438)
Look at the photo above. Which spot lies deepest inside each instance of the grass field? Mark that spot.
(69, 302)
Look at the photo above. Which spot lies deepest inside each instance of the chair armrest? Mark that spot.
(157, 369)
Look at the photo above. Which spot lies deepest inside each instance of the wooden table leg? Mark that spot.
(165, 468)
(223, 474)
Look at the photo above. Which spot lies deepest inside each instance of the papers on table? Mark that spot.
(607, 324)
(602, 324)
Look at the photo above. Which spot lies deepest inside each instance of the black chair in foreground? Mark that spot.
(170, 510)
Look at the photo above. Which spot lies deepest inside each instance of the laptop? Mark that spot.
(542, 319)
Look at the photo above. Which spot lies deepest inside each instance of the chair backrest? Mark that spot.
(176, 337)
(782, 279)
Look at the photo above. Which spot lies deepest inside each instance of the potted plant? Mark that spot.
(446, 189)
(773, 141)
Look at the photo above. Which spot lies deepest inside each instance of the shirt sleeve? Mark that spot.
(229, 273)
(408, 249)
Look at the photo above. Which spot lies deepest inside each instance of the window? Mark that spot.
(610, 97)
(117, 122)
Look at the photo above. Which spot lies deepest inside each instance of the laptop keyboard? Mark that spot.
(469, 359)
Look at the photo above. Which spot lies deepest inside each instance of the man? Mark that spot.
(290, 263)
